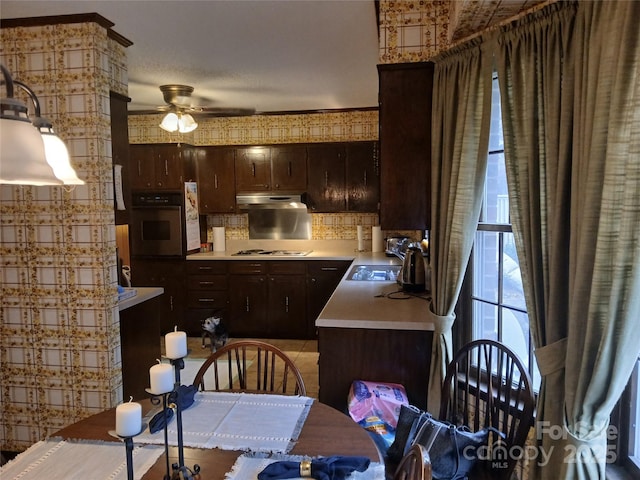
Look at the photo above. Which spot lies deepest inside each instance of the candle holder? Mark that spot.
(156, 399)
(178, 470)
(128, 444)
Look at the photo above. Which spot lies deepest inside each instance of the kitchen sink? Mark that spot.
(374, 273)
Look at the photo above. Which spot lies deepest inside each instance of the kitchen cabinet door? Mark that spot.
(143, 167)
(215, 173)
(287, 306)
(323, 276)
(405, 145)
(326, 178)
(248, 305)
(289, 168)
(253, 169)
(160, 167)
(171, 275)
(287, 299)
(362, 177)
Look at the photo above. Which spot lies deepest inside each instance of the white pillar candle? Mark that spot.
(128, 419)
(161, 377)
(360, 239)
(175, 344)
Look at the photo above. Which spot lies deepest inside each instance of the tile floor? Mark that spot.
(304, 354)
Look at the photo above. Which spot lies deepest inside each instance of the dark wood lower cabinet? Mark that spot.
(169, 274)
(140, 345)
(323, 276)
(393, 356)
(267, 299)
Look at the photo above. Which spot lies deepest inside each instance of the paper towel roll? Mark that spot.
(376, 239)
(360, 239)
(218, 239)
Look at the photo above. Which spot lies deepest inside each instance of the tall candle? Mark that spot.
(161, 377)
(175, 344)
(128, 419)
(360, 239)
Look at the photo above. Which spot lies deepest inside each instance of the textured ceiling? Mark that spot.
(267, 55)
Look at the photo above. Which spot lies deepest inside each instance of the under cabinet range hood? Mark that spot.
(276, 217)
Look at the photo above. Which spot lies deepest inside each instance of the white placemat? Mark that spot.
(250, 465)
(238, 421)
(57, 459)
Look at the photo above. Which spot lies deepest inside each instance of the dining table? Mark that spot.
(325, 432)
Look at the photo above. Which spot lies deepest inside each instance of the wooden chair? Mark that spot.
(415, 465)
(250, 365)
(486, 384)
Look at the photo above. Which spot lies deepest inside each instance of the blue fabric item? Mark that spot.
(327, 468)
(158, 420)
(183, 396)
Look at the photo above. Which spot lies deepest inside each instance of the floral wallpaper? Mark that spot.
(59, 330)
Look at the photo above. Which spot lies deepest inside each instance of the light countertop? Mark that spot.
(142, 295)
(374, 305)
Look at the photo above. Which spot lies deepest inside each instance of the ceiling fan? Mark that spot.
(178, 100)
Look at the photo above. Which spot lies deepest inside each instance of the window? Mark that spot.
(498, 309)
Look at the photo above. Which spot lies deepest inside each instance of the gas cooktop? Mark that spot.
(275, 253)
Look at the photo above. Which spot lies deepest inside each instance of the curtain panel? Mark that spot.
(571, 114)
(460, 139)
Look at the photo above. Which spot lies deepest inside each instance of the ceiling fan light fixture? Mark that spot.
(186, 123)
(178, 122)
(170, 122)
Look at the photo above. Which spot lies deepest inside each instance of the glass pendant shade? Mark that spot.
(58, 157)
(178, 122)
(187, 123)
(22, 154)
(170, 122)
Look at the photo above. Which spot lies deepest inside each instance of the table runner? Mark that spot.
(238, 421)
(57, 459)
(248, 465)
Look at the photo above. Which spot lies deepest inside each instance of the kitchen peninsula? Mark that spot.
(139, 333)
(368, 330)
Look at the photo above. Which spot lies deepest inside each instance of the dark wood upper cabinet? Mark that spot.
(215, 171)
(289, 168)
(362, 177)
(160, 166)
(405, 93)
(326, 172)
(253, 169)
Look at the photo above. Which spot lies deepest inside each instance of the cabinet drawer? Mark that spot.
(203, 299)
(316, 267)
(206, 267)
(207, 282)
(287, 268)
(247, 267)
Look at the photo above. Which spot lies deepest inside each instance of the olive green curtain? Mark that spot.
(460, 139)
(570, 86)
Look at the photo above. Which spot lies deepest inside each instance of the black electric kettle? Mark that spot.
(412, 275)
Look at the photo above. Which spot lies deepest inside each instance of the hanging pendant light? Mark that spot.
(25, 158)
(22, 156)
